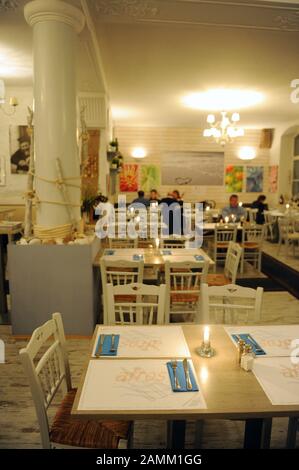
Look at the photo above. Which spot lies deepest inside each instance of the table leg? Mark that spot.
(3, 299)
(257, 433)
(176, 434)
(292, 431)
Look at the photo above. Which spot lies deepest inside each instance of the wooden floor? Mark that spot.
(18, 425)
(283, 256)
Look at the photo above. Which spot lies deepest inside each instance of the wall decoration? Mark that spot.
(254, 179)
(234, 176)
(19, 140)
(2, 172)
(193, 168)
(128, 178)
(273, 178)
(150, 177)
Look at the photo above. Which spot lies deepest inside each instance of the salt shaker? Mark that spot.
(241, 348)
(247, 358)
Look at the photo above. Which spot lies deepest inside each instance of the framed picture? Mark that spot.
(234, 177)
(254, 179)
(19, 140)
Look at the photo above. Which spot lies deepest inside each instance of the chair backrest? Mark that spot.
(136, 303)
(123, 242)
(286, 225)
(251, 214)
(172, 244)
(225, 233)
(253, 234)
(230, 301)
(183, 282)
(47, 368)
(232, 261)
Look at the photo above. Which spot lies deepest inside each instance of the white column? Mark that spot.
(55, 25)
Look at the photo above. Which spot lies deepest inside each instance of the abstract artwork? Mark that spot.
(128, 179)
(193, 168)
(273, 178)
(234, 176)
(150, 177)
(254, 179)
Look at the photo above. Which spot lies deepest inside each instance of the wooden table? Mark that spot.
(152, 257)
(229, 392)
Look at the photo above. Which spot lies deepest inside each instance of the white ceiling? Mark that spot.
(155, 51)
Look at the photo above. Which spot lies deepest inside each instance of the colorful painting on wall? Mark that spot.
(234, 176)
(273, 178)
(128, 179)
(254, 179)
(150, 177)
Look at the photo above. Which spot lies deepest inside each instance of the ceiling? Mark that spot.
(149, 54)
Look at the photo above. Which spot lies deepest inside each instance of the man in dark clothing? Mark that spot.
(260, 205)
(20, 159)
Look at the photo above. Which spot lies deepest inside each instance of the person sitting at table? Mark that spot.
(141, 199)
(233, 209)
(154, 196)
(261, 206)
(172, 211)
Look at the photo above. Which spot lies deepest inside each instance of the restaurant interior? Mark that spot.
(149, 224)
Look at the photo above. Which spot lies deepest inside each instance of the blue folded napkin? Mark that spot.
(137, 257)
(258, 351)
(181, 378)
(107, 345)
(166, 252)
(199, 257)
(109, 252)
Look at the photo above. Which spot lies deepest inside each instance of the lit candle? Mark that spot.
(137, 219)
(233, 218)
(206, 336)
(157, 241)
(240, 204)
(207, 208)
(287, 206)
(226, 219)
(131, 210)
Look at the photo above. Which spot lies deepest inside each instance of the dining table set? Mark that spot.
(157, 372)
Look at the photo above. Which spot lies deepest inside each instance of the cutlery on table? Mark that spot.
(112, 347)
(100, 346)
(174, 366)
(187, 375)
(256, 345)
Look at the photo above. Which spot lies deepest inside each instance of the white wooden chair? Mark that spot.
(287, 234)
(252, 243)
(230, 302)
(123, 243)
(232, 261)
(146, 304)
(172, 243)
(270, 221)
(183, 281)
(119, 272)
(224, 233)
(46, 365)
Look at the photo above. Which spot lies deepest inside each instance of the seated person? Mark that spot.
(154, 196)
(141, 199)
(233, 209)
(261, 206)
(173, 218)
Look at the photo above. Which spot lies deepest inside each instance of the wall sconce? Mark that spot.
(13, 101)
(247, 153)
(138, 152)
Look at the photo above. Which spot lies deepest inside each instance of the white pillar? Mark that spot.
(55, 25)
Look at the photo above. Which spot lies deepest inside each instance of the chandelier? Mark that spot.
(224, 130)
(12, 101)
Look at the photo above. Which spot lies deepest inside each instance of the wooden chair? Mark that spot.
(232, 261)
(252, 242)
(287, 234)
(119, 272)
(172, 243)
(123, 243)
(146, 304)
(270, 221)
(230, 302)
(46, 365)
(183, 281)
(224, 233)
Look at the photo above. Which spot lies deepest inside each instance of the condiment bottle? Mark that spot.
(247, 358)
(241, 348)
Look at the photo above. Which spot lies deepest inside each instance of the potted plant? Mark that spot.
(114, 145)
(90, 199)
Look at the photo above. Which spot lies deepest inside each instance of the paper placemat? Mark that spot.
(274, 340)
(147, 341)
(136, 384)
(279, 378)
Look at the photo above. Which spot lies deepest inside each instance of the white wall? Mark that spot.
(159, 140)
(12, 192)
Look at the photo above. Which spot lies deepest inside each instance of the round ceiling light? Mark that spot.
(138, 152)
(221, 99)
(247, 153)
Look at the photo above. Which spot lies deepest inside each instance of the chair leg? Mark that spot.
(292, 431)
